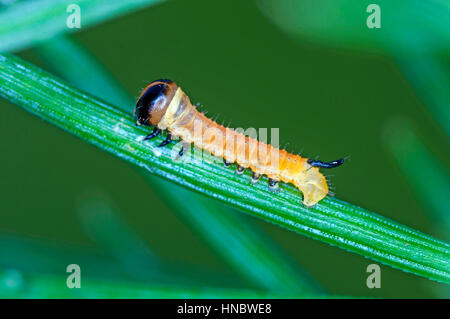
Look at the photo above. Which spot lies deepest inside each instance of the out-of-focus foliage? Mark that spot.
(407, 26)
(15, 284)
(25, 23)
(428, 178)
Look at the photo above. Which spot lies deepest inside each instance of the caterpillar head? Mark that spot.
(154, 101)
(313, 186)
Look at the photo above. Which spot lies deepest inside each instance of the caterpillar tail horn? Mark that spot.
(332, 164)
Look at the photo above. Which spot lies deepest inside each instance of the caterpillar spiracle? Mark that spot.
(163, 104)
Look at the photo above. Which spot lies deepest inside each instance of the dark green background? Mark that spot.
(230, 58)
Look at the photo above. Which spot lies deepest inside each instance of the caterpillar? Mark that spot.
(164, 105)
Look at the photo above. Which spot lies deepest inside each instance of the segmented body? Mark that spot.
(168, 107)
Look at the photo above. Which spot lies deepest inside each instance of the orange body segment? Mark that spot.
(172, 110)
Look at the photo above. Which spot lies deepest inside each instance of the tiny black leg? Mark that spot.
(273, 184)
(255, 178)
(181, 152)
(240, 170)
(166, 141)
(153, 134)
(227, 164)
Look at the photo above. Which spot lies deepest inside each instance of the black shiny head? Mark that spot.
(321, 164)
(152, 103)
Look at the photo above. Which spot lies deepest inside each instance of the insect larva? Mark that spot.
(164, 105)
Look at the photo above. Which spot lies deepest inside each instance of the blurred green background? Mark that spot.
(230, 56)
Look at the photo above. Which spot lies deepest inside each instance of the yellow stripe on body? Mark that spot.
(169, 117)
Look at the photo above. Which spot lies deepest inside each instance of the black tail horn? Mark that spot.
(316, 163)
